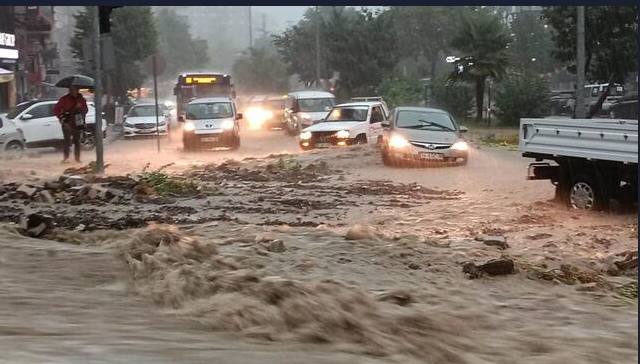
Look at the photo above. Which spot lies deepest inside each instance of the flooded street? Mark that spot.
(325, 256)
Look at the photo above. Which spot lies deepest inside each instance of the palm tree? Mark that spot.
(483, 42)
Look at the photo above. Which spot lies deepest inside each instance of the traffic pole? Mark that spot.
(97, 93)
(155, 93)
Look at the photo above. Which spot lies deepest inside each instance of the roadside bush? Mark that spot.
(400, 91)
(452, 96)
(521, 96)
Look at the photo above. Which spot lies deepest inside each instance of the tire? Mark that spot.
(464, 161)
(14, 146)
(235, 143)
(361, 139)
(584, 194)
(87, 141)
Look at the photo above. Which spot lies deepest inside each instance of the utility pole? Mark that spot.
(97, 93)
(250, 29)
(317, 46)
(580, 64)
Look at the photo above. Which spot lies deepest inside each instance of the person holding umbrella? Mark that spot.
(71, 110)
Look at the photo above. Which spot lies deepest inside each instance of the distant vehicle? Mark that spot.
(276, 106)
(305, 108)
(200, 85)
(595, 161)
(626, 107)
(11, 137)
(418, 135)
(347, 124)
(41, 127)
(593, 92)
(211, 122)
(141, 121)
(562, 102)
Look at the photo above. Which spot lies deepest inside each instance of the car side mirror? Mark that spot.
(26, 117)
(239, 116)
(386, 123)
(181, 119)
(464, 129)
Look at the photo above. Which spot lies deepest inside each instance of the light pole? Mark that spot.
(250, 29)
(317, 46)
(97, 88)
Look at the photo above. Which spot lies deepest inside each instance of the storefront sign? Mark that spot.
(7, 40)
(8, 53)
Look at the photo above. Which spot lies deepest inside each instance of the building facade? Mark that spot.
(9, 55)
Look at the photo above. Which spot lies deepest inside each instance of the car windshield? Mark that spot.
(144, 110)
(210, 110)
(348, 113)
(315, 105)
(414, 119)
(14, 112)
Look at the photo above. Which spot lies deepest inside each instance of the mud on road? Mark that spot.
(329, 251)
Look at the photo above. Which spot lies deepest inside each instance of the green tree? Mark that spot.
(354, 43)
(400, 91)
(611, 41)
(482, 41)
(134, 38)
(531, 46)
(452, 96)
(260, 70)
(180, 50)
(520, 96)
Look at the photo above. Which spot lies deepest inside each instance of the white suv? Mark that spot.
(40, 126)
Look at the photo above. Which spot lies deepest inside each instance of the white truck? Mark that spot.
(347, 124)
(592, 162)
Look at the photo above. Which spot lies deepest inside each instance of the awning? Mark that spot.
(5, 75)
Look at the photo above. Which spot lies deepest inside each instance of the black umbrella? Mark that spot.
(76, 80)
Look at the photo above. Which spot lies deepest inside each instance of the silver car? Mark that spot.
(11, 137)
(423, 135)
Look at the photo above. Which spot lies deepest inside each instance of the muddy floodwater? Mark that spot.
(278, 256)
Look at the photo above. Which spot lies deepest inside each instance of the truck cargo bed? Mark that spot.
(596, 139)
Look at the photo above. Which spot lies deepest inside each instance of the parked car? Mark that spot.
(211, 122)
(418, 135)
(347, 124)
(11, 137)
(562, 102)
(141, 120)
(305, 108)
(41, 128)
(626, 107)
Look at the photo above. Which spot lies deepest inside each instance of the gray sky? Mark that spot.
(279, 15)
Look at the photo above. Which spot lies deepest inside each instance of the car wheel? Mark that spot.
(87, 141)
(235, 142)
(361, 139)
(14, 146)
(584, 194)
(464, 161)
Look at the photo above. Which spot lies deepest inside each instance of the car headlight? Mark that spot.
(398, 141)
(227, 124)
(343, 134)
(161, 123)
(189, 126)
(460, 145)
(128, 125)
(305, 135)
(268, 114)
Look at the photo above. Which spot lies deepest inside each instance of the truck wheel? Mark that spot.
(584, 194)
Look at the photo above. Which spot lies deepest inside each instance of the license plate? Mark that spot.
(146, 131)
(431, 156)
(210, 139)
(323, 145)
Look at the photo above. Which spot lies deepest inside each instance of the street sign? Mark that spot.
(160, 65)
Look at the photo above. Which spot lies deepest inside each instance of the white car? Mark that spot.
(41, 128)
(211, 122)
(347, 124)
(11, 137)
(306, 108)
(141, 120)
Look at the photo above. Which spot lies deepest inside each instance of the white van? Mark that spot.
(211, 122)
(305, 108)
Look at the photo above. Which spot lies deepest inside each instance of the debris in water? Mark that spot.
(362, 231)
(502, 266)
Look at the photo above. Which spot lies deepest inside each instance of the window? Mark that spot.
(348, 113)
(144, 110)
(376, 115)
(315, 105)
(41, 111)
(427, 120)
(213, 110)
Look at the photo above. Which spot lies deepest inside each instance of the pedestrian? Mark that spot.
(71, 110)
